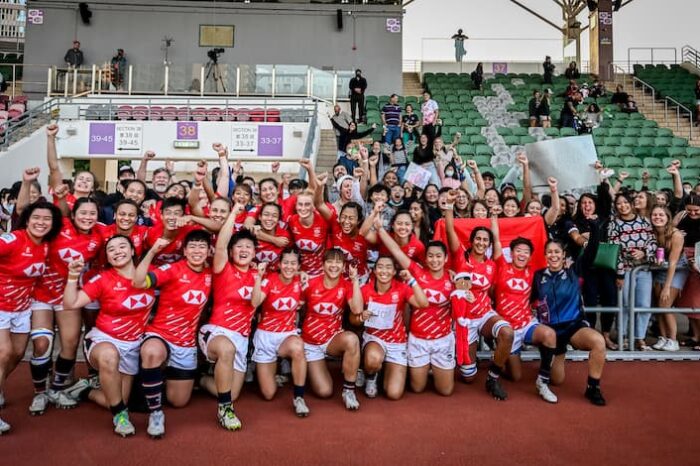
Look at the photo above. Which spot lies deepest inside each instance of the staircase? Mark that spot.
(655, 110)
(411, 85)
(327, 152)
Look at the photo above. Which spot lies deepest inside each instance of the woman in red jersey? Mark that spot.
(224, 339)
(385, 337)
(276, 336)
(79, 240)
(431, 343)
(402, 232)
(322, 332)
(310, 231)
(84, 182)
(22, 262)
(170, 338)
(112, 346)
(483, 320)
(272, 238)
(512, 294)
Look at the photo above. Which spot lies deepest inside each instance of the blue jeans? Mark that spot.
(642, 298)
(392, 134)
(400, 172)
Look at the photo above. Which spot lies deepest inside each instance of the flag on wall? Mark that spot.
(531, 228)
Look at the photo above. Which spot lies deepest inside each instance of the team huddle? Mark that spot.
(292, 278)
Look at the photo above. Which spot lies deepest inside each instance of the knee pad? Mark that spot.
(42, 333)
(468, 370)
(498, 326)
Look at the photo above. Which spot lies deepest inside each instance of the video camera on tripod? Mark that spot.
(213, 54)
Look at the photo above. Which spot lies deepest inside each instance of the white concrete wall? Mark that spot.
(29, 152)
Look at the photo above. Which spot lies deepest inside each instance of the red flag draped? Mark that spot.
(531, 228)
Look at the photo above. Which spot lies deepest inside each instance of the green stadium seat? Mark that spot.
(477, 139)
(663, 142)
(692, 151)
(605, 151)
(612, 161)
(625, 151)
(631, 161)
(504, 131)
(676, 152)
(651, 162)
(679, 142)
(483, 149)
(642, 151)
(552, 132)
(617, 132)
(612, 141)
(630, 142)
(659, 152)
(564, 132)
(648, 132)
(600, 131)
(633, 132)
(527, 140)
(480, 122)
(649, 124)
(692, 162)
(663, 184)
(664, 133)
(482, 161)
(520, 131)
(512, 140)
(690, 174)
(471, 130)
(645, 141)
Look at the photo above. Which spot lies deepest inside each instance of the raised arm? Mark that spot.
(677, 181)
(72, 298)
(143, 166)
(367, 229)
(527, 182)
(419, 300)
(356, 304)
(225, 234)
(452, 239)
(141, 279)
(497, 249)
(223, 181)
(55, 175)
(28, 177)
(391, 245)
(555, 209)
(257, 296)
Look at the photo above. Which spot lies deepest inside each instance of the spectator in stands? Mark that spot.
(597, 89)
(571, 89)
(459, 39)
(349, 134)
(545, 110)
(74, 56)
(489, 180)
(358, 86)
(572, 71)
(592, 117)
(424, 156)
(548, 68)
(697, 102)
(630, 107)
(534, 108)
(118, 69)
(620, 97)
(568, 112)
(478, 76)
(342, 119)
(391, 118)
(431, 114)
(688, 221)
(399, 159)
(410, 125)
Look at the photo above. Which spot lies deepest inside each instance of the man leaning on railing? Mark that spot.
(74, 56)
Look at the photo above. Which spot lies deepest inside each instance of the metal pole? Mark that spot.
(238, 81)
(48, 82)
(274, 79)
(335, 87)
(678, 117)
(201, 81)
(92, 79)
(75, 81)
(131, 77)
(65, 85)
(308, 81)
(99, 81)
(665, 111)
(631, 306)
(14, 79)
(166, 78)
(620, 319)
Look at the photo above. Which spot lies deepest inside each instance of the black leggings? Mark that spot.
(600, 289)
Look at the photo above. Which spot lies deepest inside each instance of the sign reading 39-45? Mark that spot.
(115, 138)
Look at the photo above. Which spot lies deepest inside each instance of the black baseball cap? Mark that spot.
(488, 175)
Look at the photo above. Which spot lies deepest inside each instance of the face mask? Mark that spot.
(449, 173)
(9, 208)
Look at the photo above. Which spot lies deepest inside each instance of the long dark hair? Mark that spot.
(56, 219)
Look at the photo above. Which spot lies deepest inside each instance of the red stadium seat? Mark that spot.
(140, 112)
(199, 114)
(272, 114)
(183, 113)
(214, 114)
(243, 114)
(155, 112)
(124, 112)
(169, 113)
(257, 114)
(230, 114)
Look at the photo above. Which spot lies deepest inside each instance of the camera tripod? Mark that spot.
(213, 75)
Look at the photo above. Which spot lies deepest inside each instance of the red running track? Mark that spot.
(652, 417)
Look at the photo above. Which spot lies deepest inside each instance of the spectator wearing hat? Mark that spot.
(358, 86)
(489, 180)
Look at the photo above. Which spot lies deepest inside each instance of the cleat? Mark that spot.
(39, 404)
(61, 400)
(122, 424)
(371, 389)
(544, 391)
(659, 343)
(595, 396)
(360, 380)
(300, 408)
(228, 419)
(280, 380)
(156, 424)
(350, 400)
(671, 345)
(493, 386)
(74, 391)
(4, 427)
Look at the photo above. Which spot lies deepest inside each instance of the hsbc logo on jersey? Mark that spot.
(245, 292)
(266, 256)
(327, 309)
(138, 301)
(69, 255)
(285, 304)
(307, 245)
(517, 284)
(435, 297)
(480, 280)
(194, 297)
(35, 270)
